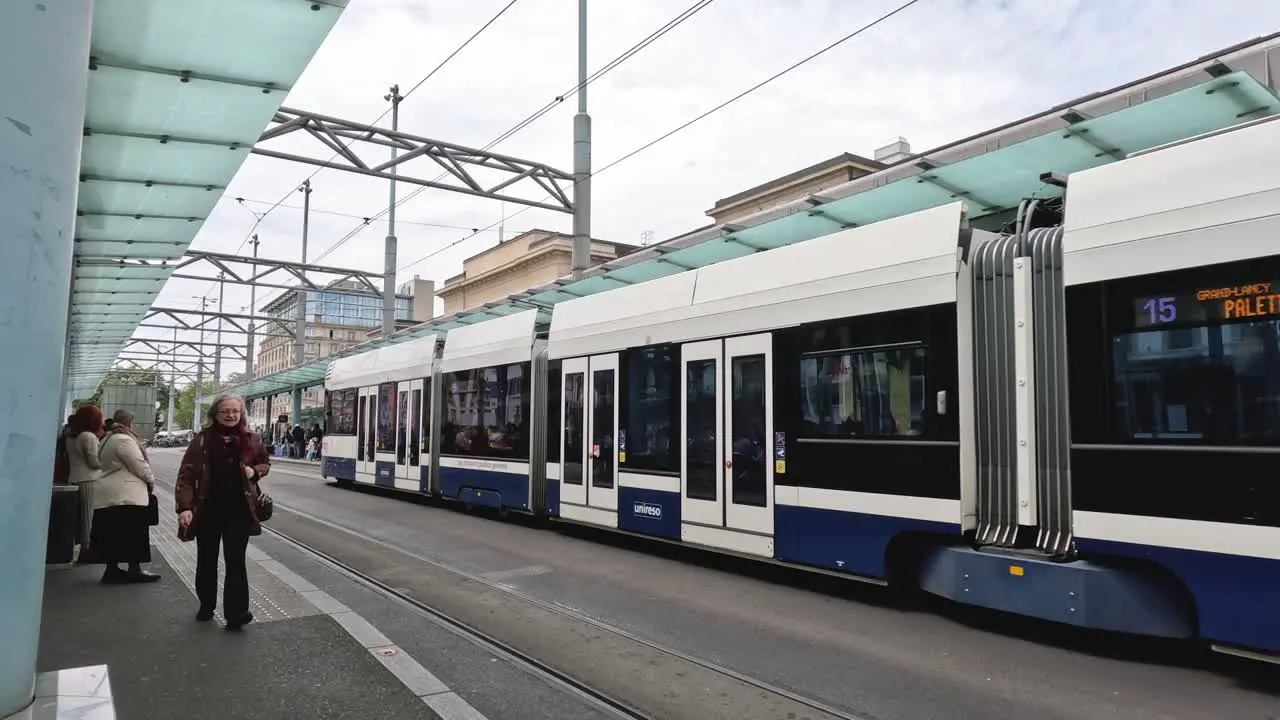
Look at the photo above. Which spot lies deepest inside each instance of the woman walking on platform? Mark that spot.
(218, 503)
(84, 431)
(122, 505)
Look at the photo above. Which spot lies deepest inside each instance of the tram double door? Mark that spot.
(589, 474)
(728, 463)
(409, 430)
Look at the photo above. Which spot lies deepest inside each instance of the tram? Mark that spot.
(1076, 419)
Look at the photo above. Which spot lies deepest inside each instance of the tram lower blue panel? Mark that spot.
(424, 480)
(339, 468)
(497, 489)
(552, 498)
(1236, 597)
(384, 473)
(1125, 599)
(649, 512)
(845, 541)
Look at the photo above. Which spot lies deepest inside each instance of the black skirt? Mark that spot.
(122, 534)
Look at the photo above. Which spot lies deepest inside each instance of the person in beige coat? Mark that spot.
(122, 505)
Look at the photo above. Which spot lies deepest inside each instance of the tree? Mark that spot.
(184, 405)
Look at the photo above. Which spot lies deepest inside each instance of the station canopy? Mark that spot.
(991, 173)
(179, 91)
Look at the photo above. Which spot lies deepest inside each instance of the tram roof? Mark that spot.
(179, 91)
(990, 172)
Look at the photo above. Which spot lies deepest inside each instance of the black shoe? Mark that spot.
(239, 622)
(114, 576)
(141, 576)
(204, 615)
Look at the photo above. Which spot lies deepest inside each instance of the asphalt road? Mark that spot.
(848, 645)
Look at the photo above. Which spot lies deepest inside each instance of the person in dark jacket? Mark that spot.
(217, 502)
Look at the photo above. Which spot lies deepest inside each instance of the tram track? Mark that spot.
(610, 700)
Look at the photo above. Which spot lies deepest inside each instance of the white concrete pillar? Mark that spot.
(44, 68)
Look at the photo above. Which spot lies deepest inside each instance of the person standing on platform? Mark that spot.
(122, 505)
(82, 459)
(217, 500)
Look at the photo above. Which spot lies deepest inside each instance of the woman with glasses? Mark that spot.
(217, 502)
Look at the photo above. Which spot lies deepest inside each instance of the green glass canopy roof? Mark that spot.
(179, 91)
(991, 173)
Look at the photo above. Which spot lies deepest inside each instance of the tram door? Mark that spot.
(603, 447)
(366, 428)
(726, 478)
(589, 420)
(408, 427)
(573, 432)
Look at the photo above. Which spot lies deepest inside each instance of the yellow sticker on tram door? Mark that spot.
(1015, 570)
(779, 467)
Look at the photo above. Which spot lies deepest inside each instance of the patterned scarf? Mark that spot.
(122, 430)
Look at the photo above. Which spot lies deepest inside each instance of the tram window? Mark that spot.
(341, 416)
(363, 428)
(873, 393)
(1212, 384)
(386, 417)
(602, 398)
(650, 411)
(750, 447)
(425, 432)
(574, 420)
(702, 407)
(416, 414)
(553, 415)
(486, 413)
(402, 404)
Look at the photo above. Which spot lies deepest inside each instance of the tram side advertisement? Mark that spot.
(1234, 302)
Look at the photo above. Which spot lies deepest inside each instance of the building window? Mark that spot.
(650, 412)
(486, 413)
(873, 393)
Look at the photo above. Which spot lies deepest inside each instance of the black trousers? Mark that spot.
(235, 589)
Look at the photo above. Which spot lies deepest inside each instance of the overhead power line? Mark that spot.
(697, 119)
(670, 25)
(347, 144)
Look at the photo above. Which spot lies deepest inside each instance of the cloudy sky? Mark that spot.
(938, 71)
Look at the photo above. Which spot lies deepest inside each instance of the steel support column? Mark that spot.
(44, 48)
(581, 256)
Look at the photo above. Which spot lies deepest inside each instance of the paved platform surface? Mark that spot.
(322, 645)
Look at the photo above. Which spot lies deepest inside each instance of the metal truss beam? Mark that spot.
(240, 270)
(184, 369)
(172, 349)
(459, 162)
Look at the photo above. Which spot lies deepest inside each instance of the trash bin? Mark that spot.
(64, 516)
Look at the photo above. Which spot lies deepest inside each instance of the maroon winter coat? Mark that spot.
(191, 489)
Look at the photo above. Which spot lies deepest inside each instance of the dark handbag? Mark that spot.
(153, 510)
(265, 506)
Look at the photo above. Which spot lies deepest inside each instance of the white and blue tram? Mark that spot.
(1077, 420)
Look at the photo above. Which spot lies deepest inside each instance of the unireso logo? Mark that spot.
(650, 510)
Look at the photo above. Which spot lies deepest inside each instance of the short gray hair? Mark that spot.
(211, 416)
(123, 417)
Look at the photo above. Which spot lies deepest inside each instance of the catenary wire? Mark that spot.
(537, 114)
(417, 85)
(703, 115)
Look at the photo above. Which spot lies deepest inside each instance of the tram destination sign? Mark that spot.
(1256, 300)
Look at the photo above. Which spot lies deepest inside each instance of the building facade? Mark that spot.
(799, 184)
(334, 322)
(527, 260)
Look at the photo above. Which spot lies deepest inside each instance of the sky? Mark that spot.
(934, 73)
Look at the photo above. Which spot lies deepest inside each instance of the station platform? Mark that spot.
(136, 651)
